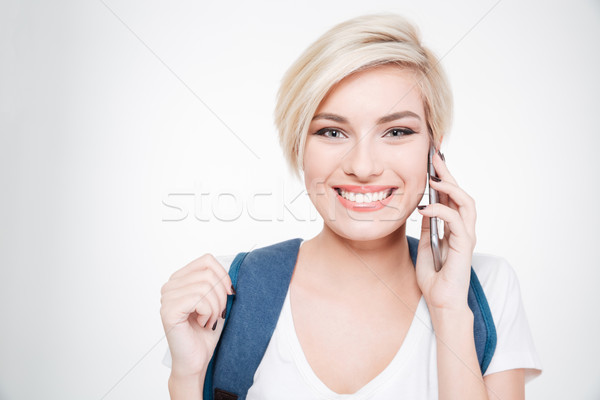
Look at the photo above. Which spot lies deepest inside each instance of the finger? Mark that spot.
(178, 305)
(443, 198)
(458, 200)
(203, 262)
(441, 169)
(199, 263)
(425, 239)
(180, 308)
(455, 193)
(206, 260)
(207, 285)
(425, 227)
(217, 304)
(452, 219)
(204, 275)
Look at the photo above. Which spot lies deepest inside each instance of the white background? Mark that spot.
(113, 124)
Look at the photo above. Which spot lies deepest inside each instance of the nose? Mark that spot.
(361, 160)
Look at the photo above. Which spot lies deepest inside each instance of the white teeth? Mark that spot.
(365, 197)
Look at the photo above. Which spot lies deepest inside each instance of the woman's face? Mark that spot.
(365, 158)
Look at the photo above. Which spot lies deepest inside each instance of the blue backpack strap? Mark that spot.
(262, 278)
(484, 329)
(233, 274)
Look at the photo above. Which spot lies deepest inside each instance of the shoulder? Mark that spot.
(500, 285)
(273, 254)
(495, 274)
(515, 347)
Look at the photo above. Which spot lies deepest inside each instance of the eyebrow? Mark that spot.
(385, 119)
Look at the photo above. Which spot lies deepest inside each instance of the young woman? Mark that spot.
(357, 114)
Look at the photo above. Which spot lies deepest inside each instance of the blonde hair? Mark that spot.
(348, 47)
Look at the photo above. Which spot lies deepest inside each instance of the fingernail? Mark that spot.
(215, 325)
(442, 156)
(206, 323)
(435, 178)
(421, 207)
(232, 290)
(223, 313)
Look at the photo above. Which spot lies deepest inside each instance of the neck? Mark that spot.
(349, 261)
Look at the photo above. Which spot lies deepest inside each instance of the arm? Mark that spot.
(506, 385)
(186, 387)
(459, 374)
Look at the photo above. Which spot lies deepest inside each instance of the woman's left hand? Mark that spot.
(447, 289)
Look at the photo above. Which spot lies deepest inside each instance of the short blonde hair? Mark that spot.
(348, 47)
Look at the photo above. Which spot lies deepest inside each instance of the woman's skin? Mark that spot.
(357, 272)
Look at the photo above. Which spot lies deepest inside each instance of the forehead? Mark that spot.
(382, 89)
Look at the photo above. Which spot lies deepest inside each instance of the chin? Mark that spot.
(365, 230)
(364, 226)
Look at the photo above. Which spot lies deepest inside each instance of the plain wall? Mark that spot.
(121, 122)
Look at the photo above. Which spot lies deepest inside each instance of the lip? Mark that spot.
(364, 189)
(364, 207)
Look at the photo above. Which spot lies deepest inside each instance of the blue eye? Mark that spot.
(399, 132)
(330, 133)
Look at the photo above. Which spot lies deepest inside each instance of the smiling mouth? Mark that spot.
(368, 197)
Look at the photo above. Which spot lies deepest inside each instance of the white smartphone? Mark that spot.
(434, 237)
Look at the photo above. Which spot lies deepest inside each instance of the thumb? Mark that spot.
(427, 268)
(424, 240)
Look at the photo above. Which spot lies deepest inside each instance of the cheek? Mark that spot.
(412, 169)
(309, 162)
(318, 164)
(415, 179)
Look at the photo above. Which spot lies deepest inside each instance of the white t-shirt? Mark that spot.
(284, 371)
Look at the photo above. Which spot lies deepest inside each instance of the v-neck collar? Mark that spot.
(420, 324)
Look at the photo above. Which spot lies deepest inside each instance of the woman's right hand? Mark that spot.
(192, 310)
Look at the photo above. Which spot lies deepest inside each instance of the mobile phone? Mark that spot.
(434, 238)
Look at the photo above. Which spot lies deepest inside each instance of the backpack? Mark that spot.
(252, 314)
